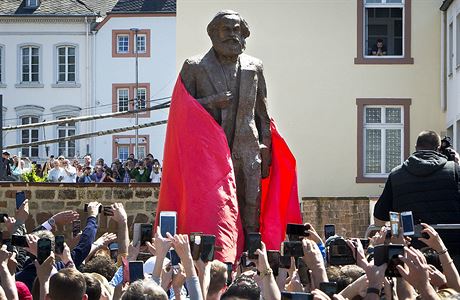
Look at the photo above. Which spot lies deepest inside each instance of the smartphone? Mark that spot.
(2, 217)
(303, 271)
(113, 247)
(108, 211)
(19, 241)
(207, 247)
(296, 296)
(229, 273)
(394, 223)
(245, 262)
(85, 208)
(274, 261)
(329, 288)
(136, 270)
(20, 198)
(329, 230)
(59, 244)
(168, 221)
(407, 221)
(254, 242)
(418, 232)
(365, 243)
(393, 260)
(285, 262)
(297, 229)
(146, 233)
(195, 241)
(7, 242)
(175, 259)
(43, 249)
(76, 227)
(292, 249)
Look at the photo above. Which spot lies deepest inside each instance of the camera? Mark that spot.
(446, 148)
(338, 252)
(389, 254)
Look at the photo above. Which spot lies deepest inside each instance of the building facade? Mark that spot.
(57, 60)
(349, 111)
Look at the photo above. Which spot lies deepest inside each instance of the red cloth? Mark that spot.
(198, 181)
(279, 199)
(23, 291)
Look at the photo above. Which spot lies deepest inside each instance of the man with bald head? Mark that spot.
(230, 85)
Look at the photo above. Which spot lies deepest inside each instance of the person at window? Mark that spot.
(118, 173)
(86, 176)
(101, 163)
(155, 175)
(48, 165)
(140, 173)
(379, 49)
(56, 173)
(70, 173)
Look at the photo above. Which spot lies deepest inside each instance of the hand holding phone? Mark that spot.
(43, 249)
(59, 244)
(136, 271)
(20, 198)
(254, 242)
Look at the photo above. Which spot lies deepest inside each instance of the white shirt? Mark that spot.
(54, 174)
(154, 177)
(70, 174)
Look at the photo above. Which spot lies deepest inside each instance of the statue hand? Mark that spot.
(222, 100)
(265, 154)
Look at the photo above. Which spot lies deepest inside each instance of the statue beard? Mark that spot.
(231, 47)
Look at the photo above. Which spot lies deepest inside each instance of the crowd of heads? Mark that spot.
(62, 169)
(309, 266)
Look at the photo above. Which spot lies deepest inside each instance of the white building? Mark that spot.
(59, 58)
(450, 76)
(155, 22)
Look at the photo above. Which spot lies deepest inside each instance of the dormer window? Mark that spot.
(32, 3)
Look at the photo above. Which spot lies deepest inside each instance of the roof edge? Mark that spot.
(445, 5)
(141, 12)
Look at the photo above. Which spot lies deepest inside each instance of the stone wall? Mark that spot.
(350, 215)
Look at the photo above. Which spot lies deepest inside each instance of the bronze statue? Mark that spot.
(230, 85)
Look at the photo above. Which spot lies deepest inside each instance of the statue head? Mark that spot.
(228, 32)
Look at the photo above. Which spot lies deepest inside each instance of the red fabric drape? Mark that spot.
(198, 181)
(279, 199)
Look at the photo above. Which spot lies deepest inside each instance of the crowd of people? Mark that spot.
(65, 170)
(96, 268)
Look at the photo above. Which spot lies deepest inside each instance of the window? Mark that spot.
(383, 32)
(383, 133)
(383, 137)
(123, 99)
(32, 3)
(123, 152)
(451, 48)
(141, 43)
(30, 64)
(66, 148)
(141, 97)
(123, 95)
(28, 136)
(125, 44)
(123, 145)
(122, 43)
(457, 46)
(66, 64)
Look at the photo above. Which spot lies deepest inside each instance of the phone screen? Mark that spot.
(136, 270)
(175, 260)
(20, 198)
(285, 262)
(108, 211)
(59, 244)
(254, 243)
(303, 271)
(19, 241)
(76, 227)
(43, 249)
(297, 229)
(329, 230)
(394, 223)
(207, 247)
(167, 224)
(146, 233)
(407, 223)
